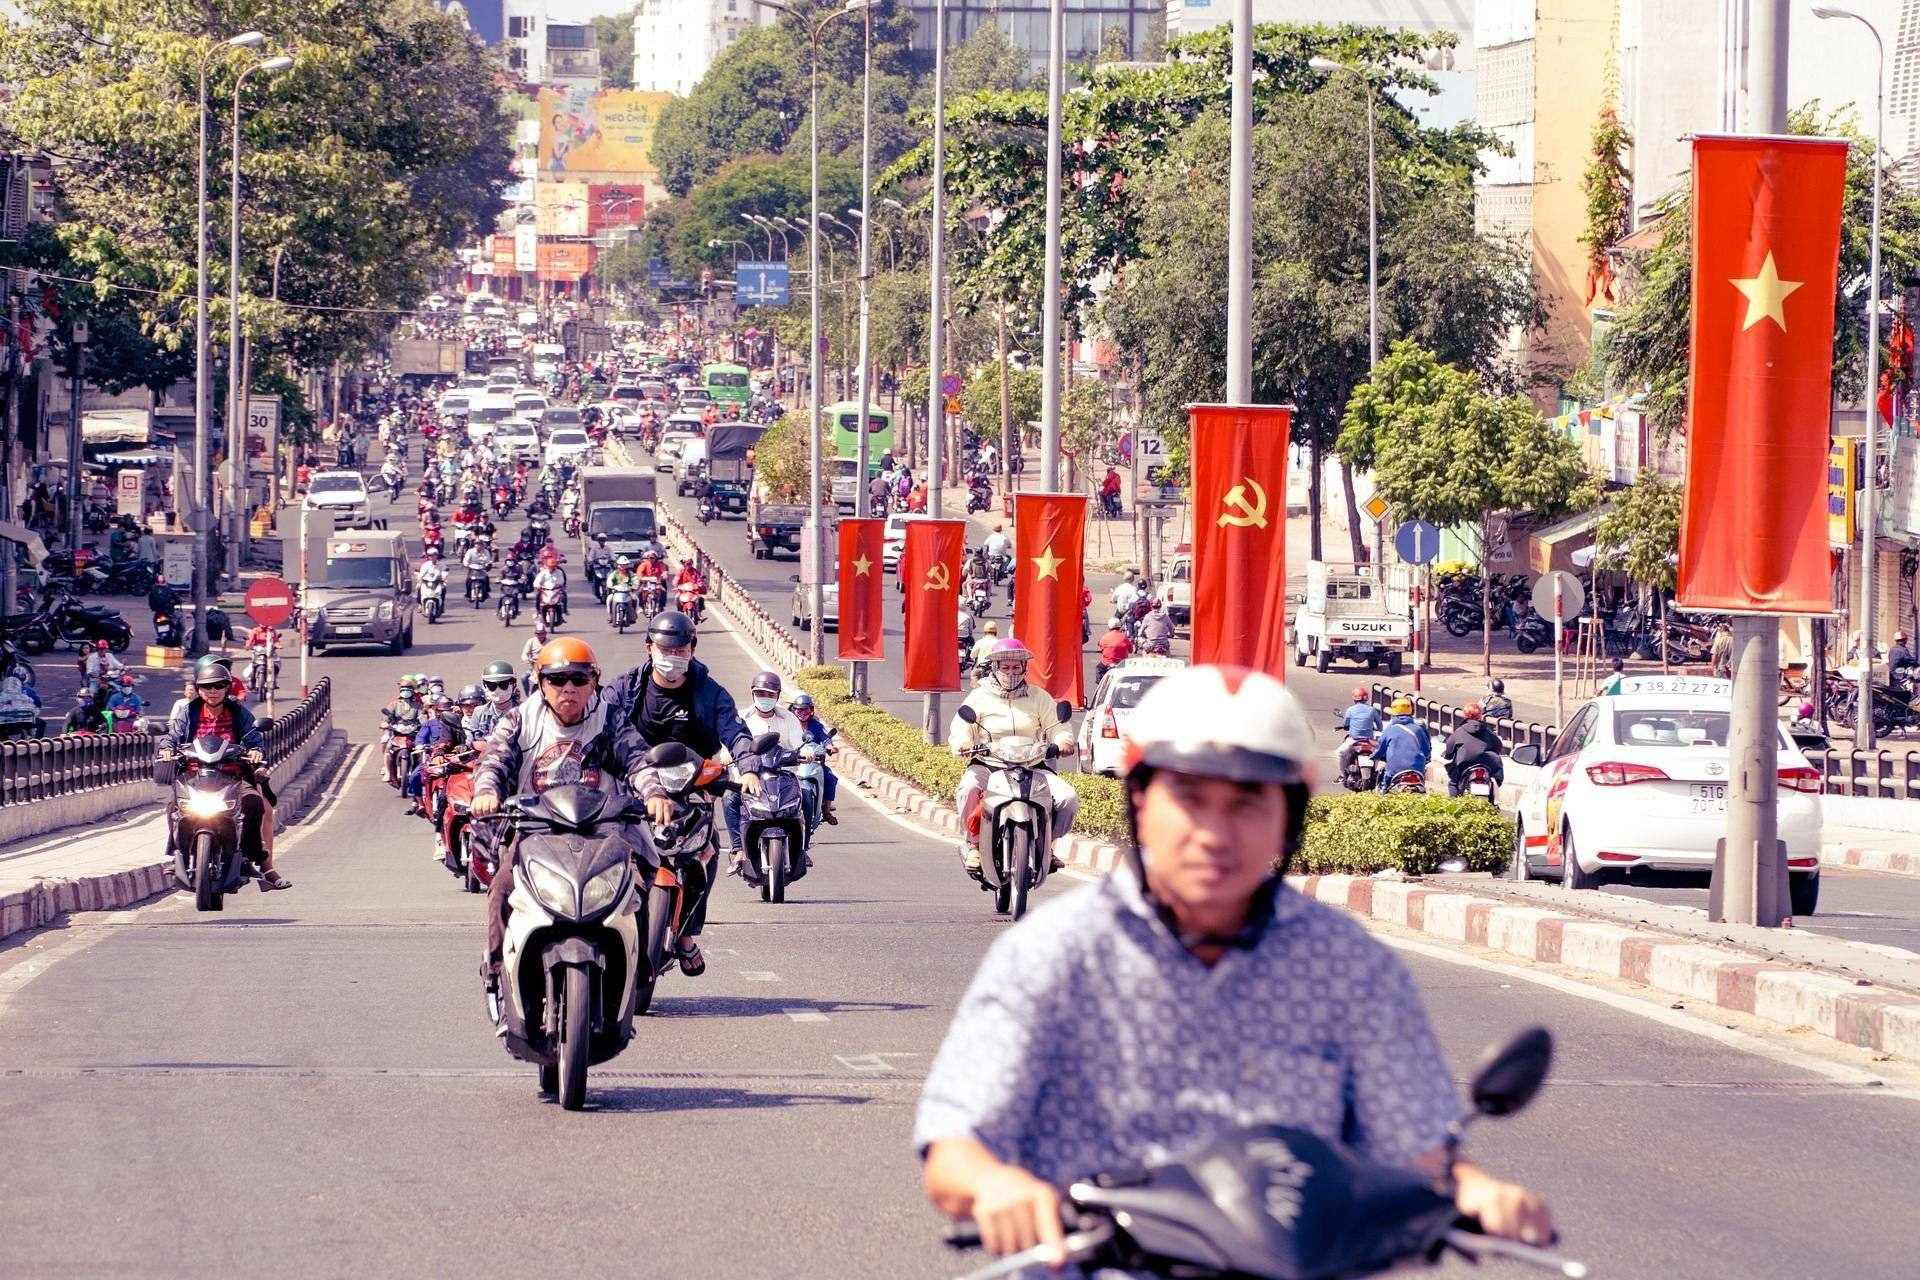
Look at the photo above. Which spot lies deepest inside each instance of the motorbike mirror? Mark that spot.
(966, 715)
(766, 742)
(1513, 1074)
(1528, 754)
(669, 754)
(1063, 710)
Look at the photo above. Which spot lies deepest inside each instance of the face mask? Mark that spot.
(1008, 680)
(500, 697)
(764, 706)
(670, 665)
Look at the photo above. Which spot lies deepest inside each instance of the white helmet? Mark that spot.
(1221, 722)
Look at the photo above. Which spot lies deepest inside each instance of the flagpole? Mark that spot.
(1749, 875)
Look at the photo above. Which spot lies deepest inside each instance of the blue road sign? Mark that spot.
(761, 284)
(658, 273)
(1417, 541)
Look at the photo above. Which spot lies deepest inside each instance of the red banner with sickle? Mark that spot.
(930, 577)
(1240, 535)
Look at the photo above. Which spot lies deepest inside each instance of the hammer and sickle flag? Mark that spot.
(862, 590)
(1049, 553)
(930, 572)
(1240, 535)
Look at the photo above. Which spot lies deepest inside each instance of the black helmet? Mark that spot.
(766, 682)
(212, 671)
(498, 669)
(1499, 686)
(671, 627)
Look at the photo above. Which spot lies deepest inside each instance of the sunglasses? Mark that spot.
(577, 679)
(217, 684)
(499, 684)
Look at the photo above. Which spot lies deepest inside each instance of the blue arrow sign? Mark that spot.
(761, 284)
(657, 273)
(1417, 541)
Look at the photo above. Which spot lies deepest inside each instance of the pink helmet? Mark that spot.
(1009, 648)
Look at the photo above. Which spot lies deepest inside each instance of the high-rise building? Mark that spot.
(676, 41)
(551, 42)
(1088, 24)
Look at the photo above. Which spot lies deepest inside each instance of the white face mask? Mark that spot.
(1009, 679)
(500, 697)
(670, 665)
(765, 706)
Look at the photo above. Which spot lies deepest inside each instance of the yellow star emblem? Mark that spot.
(1765, 293)
(1048, 563)
(862, 566)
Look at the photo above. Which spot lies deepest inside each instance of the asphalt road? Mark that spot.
(310, 1077)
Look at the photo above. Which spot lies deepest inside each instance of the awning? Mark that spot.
(143, 459)
(1552, 546)
(116, 426)
(14, 531)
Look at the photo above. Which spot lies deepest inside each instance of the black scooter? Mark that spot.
(1267, 1202)
(210, 828)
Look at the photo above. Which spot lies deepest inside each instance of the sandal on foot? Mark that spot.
(271, 880)
(692, 963)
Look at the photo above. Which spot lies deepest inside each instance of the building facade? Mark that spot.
(1087, 22)
(551, 42)
(676, 41)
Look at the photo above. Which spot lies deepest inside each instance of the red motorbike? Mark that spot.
(690, 598)
(465, 850)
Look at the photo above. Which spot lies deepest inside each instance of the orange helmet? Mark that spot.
(565, 653)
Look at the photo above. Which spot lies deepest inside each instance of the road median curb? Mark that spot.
(1849, 1010)
(1842, 855)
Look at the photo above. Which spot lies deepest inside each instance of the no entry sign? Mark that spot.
(270, 602)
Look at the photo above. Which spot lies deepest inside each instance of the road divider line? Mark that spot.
(806, 1015)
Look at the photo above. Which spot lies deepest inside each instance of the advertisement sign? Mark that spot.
(526, 247)
(761, 284)
(1843, 468)
(263, 432)
(560, 209)
(611, 205)
(503, 255)
(129, 495)
(563, 261)
(607, 132)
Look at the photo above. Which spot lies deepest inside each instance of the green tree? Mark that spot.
(780, 459)
(614, 36)
(986, 59)
(1445, 450)
(1644, 351)
(1640, 535)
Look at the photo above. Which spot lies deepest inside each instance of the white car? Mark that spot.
(516, 438)
(893, 538)
(567, 443)
(667, 453)
(342, 494)
(803, 605)
(562, 415)
(1638, 779)
(1103, 729)
(530, 404)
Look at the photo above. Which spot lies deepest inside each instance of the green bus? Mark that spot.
(726, 383)
(844, 418)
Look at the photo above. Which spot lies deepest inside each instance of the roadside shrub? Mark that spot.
(1359, 834)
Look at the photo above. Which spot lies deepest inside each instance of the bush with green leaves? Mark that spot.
(1359, 834)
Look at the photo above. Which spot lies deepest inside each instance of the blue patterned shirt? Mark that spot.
(1092, 1041)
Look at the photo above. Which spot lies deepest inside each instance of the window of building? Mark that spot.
(517, 58)
(519, 27)
(559, 37)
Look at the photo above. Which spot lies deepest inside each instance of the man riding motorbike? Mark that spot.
(802, 707)
(430, 577)
(499, 690)
(764, 715)
(1006, 706)
(989, 637)
(1116, 646)
(1361, 722)
(211, 713)
(1497, 705)
(1404, 744)
(559, 735)
(1161, 1043)
(441, 732)
(671, 698)
(551, 578)
(690, 589)
(1473, 745)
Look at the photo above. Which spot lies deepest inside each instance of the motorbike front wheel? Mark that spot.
(773, 857)
(1019, 871)
(576, 1026)
(206, 876)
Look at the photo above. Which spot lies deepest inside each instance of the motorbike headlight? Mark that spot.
(554, 890)
(386, 610)
(205, 804)
(679, 777)
(600, 892)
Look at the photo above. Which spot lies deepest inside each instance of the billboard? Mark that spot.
(502, 255)
(610, 132)
(526, 247)
(611, 205)
(560, 208)
(565, 261)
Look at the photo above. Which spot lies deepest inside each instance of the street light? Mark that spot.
(202, 374)
(816, 571)
(1863, 712)
(75, 524)
(936, 289)
(893, 258)
(1329, 66)
(721, 244)
(237, 462)
(1050, 293)
(767, 226)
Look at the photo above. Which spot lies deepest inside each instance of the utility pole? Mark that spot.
(1240, 212)
(861, 449)
(75, 523)
(1050, 302)
(936, 320)
(1750, 871)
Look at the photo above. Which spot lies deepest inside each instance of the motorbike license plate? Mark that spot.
(1708, 797)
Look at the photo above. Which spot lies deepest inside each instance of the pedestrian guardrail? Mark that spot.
(724, 592)
(1444, 718)
(43, 768)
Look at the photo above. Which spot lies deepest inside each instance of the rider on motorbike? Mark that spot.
(989, 637)
(1497, 705)
(1196, 999)
(802, 706)
(441, 732)
(1403, 744)
(551, 578)
(671, 698)
(1362, 723)
(1006, 706)
(210, 713)
(764, 715)
(1473, 744)
(430, 577)
(499, 690)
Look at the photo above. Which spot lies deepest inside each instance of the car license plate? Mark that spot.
(349, 631)
(1709, 797)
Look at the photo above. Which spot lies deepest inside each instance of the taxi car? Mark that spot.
(1638, 780)
(1103, 729)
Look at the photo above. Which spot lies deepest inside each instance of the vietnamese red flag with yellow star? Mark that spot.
(1766, 248)
(1240, 535)
(862, 590)
(930, 581)
(1049, 574)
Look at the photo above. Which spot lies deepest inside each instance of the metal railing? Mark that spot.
(42, 768)
(1872, 775)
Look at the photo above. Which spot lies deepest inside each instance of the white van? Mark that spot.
(488, 410)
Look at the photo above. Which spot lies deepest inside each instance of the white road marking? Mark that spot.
(875, 1062)
(759, 975)
(806, 1015)
(1838, 1072)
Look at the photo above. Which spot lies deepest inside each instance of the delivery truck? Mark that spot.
(618, 503)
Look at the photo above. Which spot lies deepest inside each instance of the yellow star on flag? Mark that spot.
(1048, 563)
(1765, 293)
(862, 565)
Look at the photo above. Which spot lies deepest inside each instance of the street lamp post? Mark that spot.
(75, 522)
(861, 506)
(767, 229)
(1050, 308)
(1863, 735)
(273, 454)
(936, 289)
(202, 373)
(815, 569)
(1373, 210)
(237, 463)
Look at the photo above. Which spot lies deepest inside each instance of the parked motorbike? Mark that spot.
(1532, 631)
(207, 820)
(1016, 823)
(1269, 1202)
(572, 958)
(773, 823)
(78, 626)
(979, 498)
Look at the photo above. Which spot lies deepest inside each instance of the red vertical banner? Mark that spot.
(1240, 535)
(1766, 249)
(930, 577)
(1049, 573)
(862, 590)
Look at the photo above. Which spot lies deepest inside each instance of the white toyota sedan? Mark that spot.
(1103, 729)
(1638, 780)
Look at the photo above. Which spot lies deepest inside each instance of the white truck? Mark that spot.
(618, 503)
(1354, 613)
